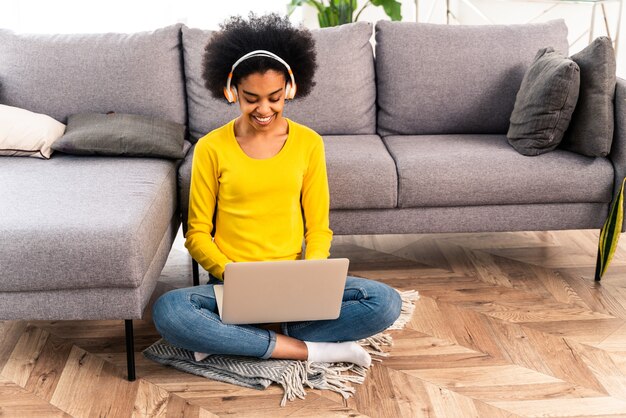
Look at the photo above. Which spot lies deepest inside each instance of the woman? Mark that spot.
(263, 176)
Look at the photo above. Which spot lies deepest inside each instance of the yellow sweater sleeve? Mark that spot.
(316, 205)
(202, 199)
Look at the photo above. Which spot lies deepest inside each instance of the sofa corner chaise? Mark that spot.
(86, 237)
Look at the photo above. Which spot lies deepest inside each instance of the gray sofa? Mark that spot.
(416, 137)
(415, 143)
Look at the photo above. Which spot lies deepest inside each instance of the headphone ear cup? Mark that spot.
(228, 95)
(290, 91)
(231, 95)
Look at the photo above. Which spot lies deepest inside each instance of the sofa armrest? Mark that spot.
(618, 147)
(184, 183)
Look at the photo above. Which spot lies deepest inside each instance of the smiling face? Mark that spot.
(261, 100)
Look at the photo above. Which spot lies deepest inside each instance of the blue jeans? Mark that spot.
(187, 318)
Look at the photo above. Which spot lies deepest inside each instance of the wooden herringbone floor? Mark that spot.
(508, 325)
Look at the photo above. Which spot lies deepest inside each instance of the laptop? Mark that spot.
(281, 291)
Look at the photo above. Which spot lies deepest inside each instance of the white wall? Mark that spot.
(63, 16)
(81, 16)
(577, 17)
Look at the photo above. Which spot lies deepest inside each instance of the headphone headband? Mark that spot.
(261, 53)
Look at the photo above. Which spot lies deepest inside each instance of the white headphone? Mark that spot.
(290, 89)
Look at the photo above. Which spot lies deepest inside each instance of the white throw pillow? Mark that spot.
(28, 134)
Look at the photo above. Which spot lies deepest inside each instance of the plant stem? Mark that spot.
(317, 4)
(361, 11)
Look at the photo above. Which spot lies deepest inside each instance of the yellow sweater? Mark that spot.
(261, 203)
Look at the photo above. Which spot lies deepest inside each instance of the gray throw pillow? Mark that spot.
(121, 134)
(590, 132)
(544, 103)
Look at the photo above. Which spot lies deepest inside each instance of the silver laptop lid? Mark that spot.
(283, 291)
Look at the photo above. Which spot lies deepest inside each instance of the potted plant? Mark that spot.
(338, 12)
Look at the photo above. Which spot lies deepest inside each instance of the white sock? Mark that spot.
(200, 356)
(348, 351)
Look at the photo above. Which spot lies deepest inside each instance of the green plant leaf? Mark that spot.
(322, 18)
(293, 5)
(610, 233)
(392, 8)
(344, 11)
(326, 18)
(361, 11)
(339, 12)
(313, 3)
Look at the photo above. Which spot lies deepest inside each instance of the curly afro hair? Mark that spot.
(271, 32)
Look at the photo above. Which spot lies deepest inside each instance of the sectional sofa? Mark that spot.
(415, 143)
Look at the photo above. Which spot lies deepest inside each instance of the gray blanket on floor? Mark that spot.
(292, 375)
(250, 372)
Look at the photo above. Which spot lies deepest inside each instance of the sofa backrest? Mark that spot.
(343, 100)
(205, 112)
(60, 75)
(443, 79)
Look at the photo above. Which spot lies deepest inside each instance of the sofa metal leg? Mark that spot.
(196, 272)
(130, 349)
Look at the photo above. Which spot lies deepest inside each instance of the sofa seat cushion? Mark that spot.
(75, 222)
(361, 173)
(462, 170)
